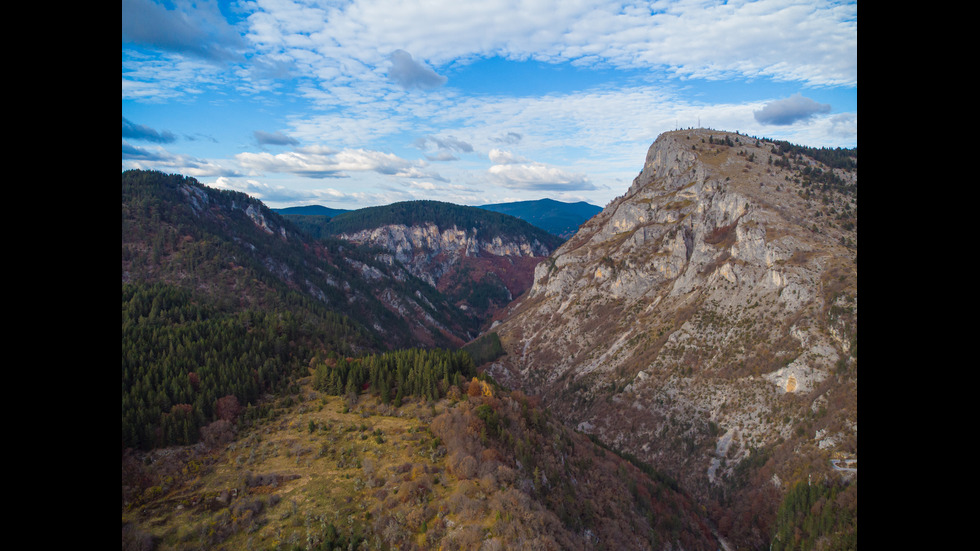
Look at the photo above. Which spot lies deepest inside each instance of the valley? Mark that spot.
(679, 373)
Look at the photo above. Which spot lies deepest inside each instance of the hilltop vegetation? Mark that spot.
(311, 210)
(487, 224)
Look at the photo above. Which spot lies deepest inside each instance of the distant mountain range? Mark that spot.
(555, 217)
(311, 210)
(561, 219)
(279, 388)
(243, 256)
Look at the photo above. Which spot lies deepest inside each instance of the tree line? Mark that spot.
(395, 376)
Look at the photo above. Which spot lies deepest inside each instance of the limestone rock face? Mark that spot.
(480, 275)
(429, 253)
(706, 309)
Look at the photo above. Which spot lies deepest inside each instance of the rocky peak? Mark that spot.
(721, 282)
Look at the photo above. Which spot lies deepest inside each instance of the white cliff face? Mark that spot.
(677, 301)
(429, 253)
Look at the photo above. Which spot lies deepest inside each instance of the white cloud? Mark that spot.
(426, 186)
(791, 110)
(408, 73)
(354, 85)
(193, 28)
(500, 157)
(158, 158)
(290, 194)
(324, 162)
(538, 177)
(815, 42)
(169, 76)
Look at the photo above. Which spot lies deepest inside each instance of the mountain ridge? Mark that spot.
(556, 217)
(705, 321)
(311, 210)
(560, 218)
(178, 231)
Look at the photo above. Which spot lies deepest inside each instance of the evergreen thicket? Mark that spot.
(817, 516)
(837, 157)
(182, 353)
(395, 376)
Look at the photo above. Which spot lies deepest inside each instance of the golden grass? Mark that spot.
(320, 476)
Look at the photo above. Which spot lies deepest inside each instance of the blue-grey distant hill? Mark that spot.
(311, 210)
(555, 217)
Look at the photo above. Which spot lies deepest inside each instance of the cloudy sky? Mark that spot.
(354, 103)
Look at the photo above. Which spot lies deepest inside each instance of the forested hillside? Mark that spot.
(260, 414)
(311, 210)
(183, 354)
(222, 299)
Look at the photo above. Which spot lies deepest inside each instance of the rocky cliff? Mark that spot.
(480, 274)
(706, 319)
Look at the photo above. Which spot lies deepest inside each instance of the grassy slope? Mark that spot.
(420, 476)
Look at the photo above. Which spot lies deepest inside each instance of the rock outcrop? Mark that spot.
(479, 274)
(707, 314)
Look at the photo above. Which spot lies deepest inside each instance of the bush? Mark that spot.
(462, 465)
(217, 434)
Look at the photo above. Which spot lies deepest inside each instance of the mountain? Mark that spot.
(706, 322)
(679, 374)
(556, 217)
(283, 392)
(480, 260)
(311, 210)
(241, 254)
(223, 297)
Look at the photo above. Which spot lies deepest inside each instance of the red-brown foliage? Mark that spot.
(227, 408)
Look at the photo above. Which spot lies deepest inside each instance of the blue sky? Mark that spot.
(349, 104)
